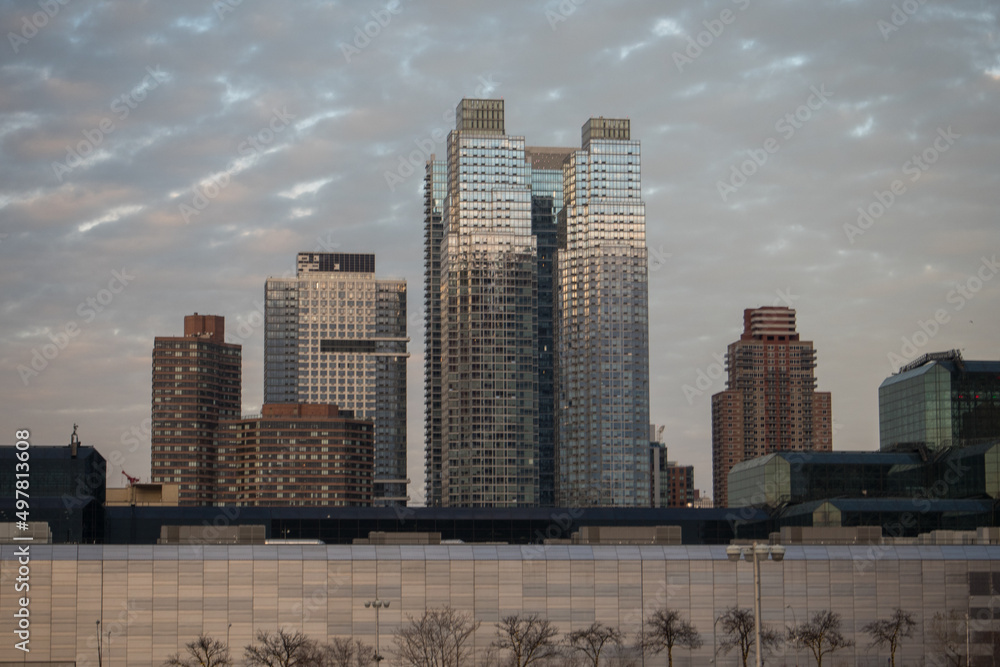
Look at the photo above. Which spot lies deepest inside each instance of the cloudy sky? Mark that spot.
(162, 158)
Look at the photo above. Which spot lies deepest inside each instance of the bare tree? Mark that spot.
(664, 630)
(439, 638)
(593, 641)
(282, 649)
(891, 631)
(202, 652)
(528, 639)
(738, 626)
(344, 652)
(948, 631)
(820, 634)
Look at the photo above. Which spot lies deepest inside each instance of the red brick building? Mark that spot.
(770, 403)
(679, 489)
(196, 382)
(296, 454)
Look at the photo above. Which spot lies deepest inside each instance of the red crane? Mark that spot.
(131, 480)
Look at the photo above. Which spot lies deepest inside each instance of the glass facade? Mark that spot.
(154, 599)
(336, 334)
(602, 331)
(489, 317)
(545, 167)
(495, 275)
(435, 190)
(940, 403)
(789, 478)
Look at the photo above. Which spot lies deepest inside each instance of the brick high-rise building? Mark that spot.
(296, 454)
(770, 403)
(196, 383)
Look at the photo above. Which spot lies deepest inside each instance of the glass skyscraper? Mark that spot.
(336, 334)
(602, 329)
(504, 263)
(489, 317)
(545, 168)
(435, 189)
(940, 400)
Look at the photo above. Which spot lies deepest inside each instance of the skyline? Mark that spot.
(221, 142)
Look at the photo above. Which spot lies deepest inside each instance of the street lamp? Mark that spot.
(377, 604)
(98, 622)
(795, 631)
(715, 640)
(756, 552)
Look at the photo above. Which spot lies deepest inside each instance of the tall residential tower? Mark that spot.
(536, 352)
(770, 403)
(336, 334)
(602, 325)
(196, 383)
(488, 282)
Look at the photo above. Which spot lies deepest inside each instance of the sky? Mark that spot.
(163, 158)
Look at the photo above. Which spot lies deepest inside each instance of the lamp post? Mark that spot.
(377, 604)
(715, 641)
(755, 553)
(98, 622)
(968, 652)
(795, 629)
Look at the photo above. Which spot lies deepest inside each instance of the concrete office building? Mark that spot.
(154, 599)
(940, 400)
(336, 334)
(197, 381)
(770, 403)
(295, 454)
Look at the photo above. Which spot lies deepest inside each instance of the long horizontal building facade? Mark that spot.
(154, 599)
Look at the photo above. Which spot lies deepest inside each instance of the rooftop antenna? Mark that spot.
(74, 442)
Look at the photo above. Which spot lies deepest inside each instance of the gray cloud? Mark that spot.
(227, 70)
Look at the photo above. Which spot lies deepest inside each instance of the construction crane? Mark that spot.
(132, 481)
